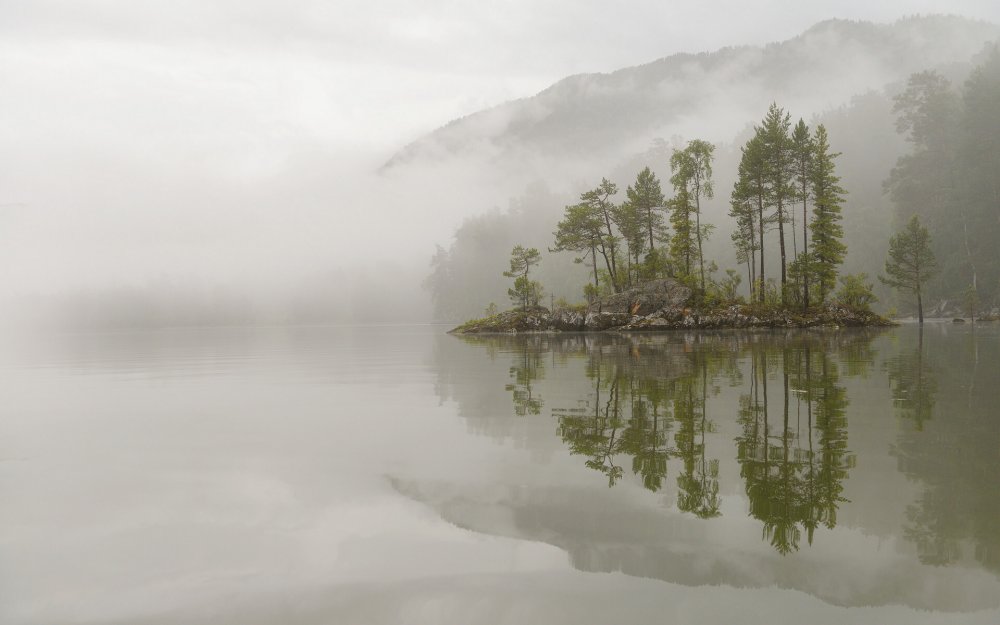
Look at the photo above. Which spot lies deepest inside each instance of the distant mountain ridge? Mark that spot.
(599, 117)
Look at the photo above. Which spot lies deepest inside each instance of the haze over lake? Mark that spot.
(390, 474)
(394, 313)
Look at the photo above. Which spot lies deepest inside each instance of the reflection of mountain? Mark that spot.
(606, 530)
(746, 459)
(594, 116)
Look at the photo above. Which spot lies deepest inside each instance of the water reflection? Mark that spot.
(802, 459)
(793, 473)
(648, 402)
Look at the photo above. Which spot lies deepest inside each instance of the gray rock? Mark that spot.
(568, 320)
(666, 294)
(606, 320)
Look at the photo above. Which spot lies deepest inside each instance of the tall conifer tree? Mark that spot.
(828, 196)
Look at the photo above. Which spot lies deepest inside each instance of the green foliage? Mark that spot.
(646, 200)
(526, 292)
(778, 157)
(602, 208)
(949, 178)
(828, 248)
(491, 309)
(911, 261)
(728, 289)
(803, 156)
(692, 180)
(856, 292)
(580, 231)
(747, 208)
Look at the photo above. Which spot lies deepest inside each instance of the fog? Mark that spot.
(222, 162)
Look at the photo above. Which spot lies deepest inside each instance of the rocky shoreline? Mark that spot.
(663, 305)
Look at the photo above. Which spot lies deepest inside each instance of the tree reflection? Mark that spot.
(913, 383)
(955, 456)
(648, 401)
(525, 369)
(698, 485)
(794, 474)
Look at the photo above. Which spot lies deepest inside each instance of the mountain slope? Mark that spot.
(599, 117)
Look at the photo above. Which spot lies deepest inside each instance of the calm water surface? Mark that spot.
(400, 475)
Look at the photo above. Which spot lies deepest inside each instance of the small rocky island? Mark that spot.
(664, 305)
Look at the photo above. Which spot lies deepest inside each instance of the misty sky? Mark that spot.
(231, 138)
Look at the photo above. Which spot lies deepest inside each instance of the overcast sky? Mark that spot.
(170, 129)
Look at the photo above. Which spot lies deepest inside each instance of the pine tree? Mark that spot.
(526, 292)
(646, 197)
(802, 151)
(580, 231)
(911, 262)
(683, 244)
(828, 248)
(692, 180)
(749, 199)
(778, 160)
(599, 200)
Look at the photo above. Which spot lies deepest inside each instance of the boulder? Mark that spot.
(606, 320)
(568, 320)
(649, 298)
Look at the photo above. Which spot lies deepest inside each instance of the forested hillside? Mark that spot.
(896, 142)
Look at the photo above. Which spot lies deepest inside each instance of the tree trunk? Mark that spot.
(593, 257)
(920, 303)
(649, 222)
(613, 268)
(781, 246)
(805, 253)
(701, 257)
(760, 228)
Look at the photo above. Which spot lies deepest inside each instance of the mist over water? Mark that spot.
(227, 229)
(305, 475)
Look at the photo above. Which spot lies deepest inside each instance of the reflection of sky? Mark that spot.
(316, 476)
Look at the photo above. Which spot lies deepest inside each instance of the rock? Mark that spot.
(568, 320)
(510, 321)
(958, 320)
(606, 320)
(653, 296)
(663, 305)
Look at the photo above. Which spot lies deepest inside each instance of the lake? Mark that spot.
(397, 474)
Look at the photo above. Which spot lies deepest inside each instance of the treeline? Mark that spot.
(783, 173)
(951, 179)
(942, 166)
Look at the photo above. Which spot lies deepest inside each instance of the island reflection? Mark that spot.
(799, 434)
(650, 398)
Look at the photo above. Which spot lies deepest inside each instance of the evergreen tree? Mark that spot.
(526, 292)
(911, 262)
(646, 197)
(628, 218)
(683, 244)
(580, 231)
(778, 162)
(692, 180)
(741, 209)
(828, 249)
(802, 152)
(748, 201)
(599, 200)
